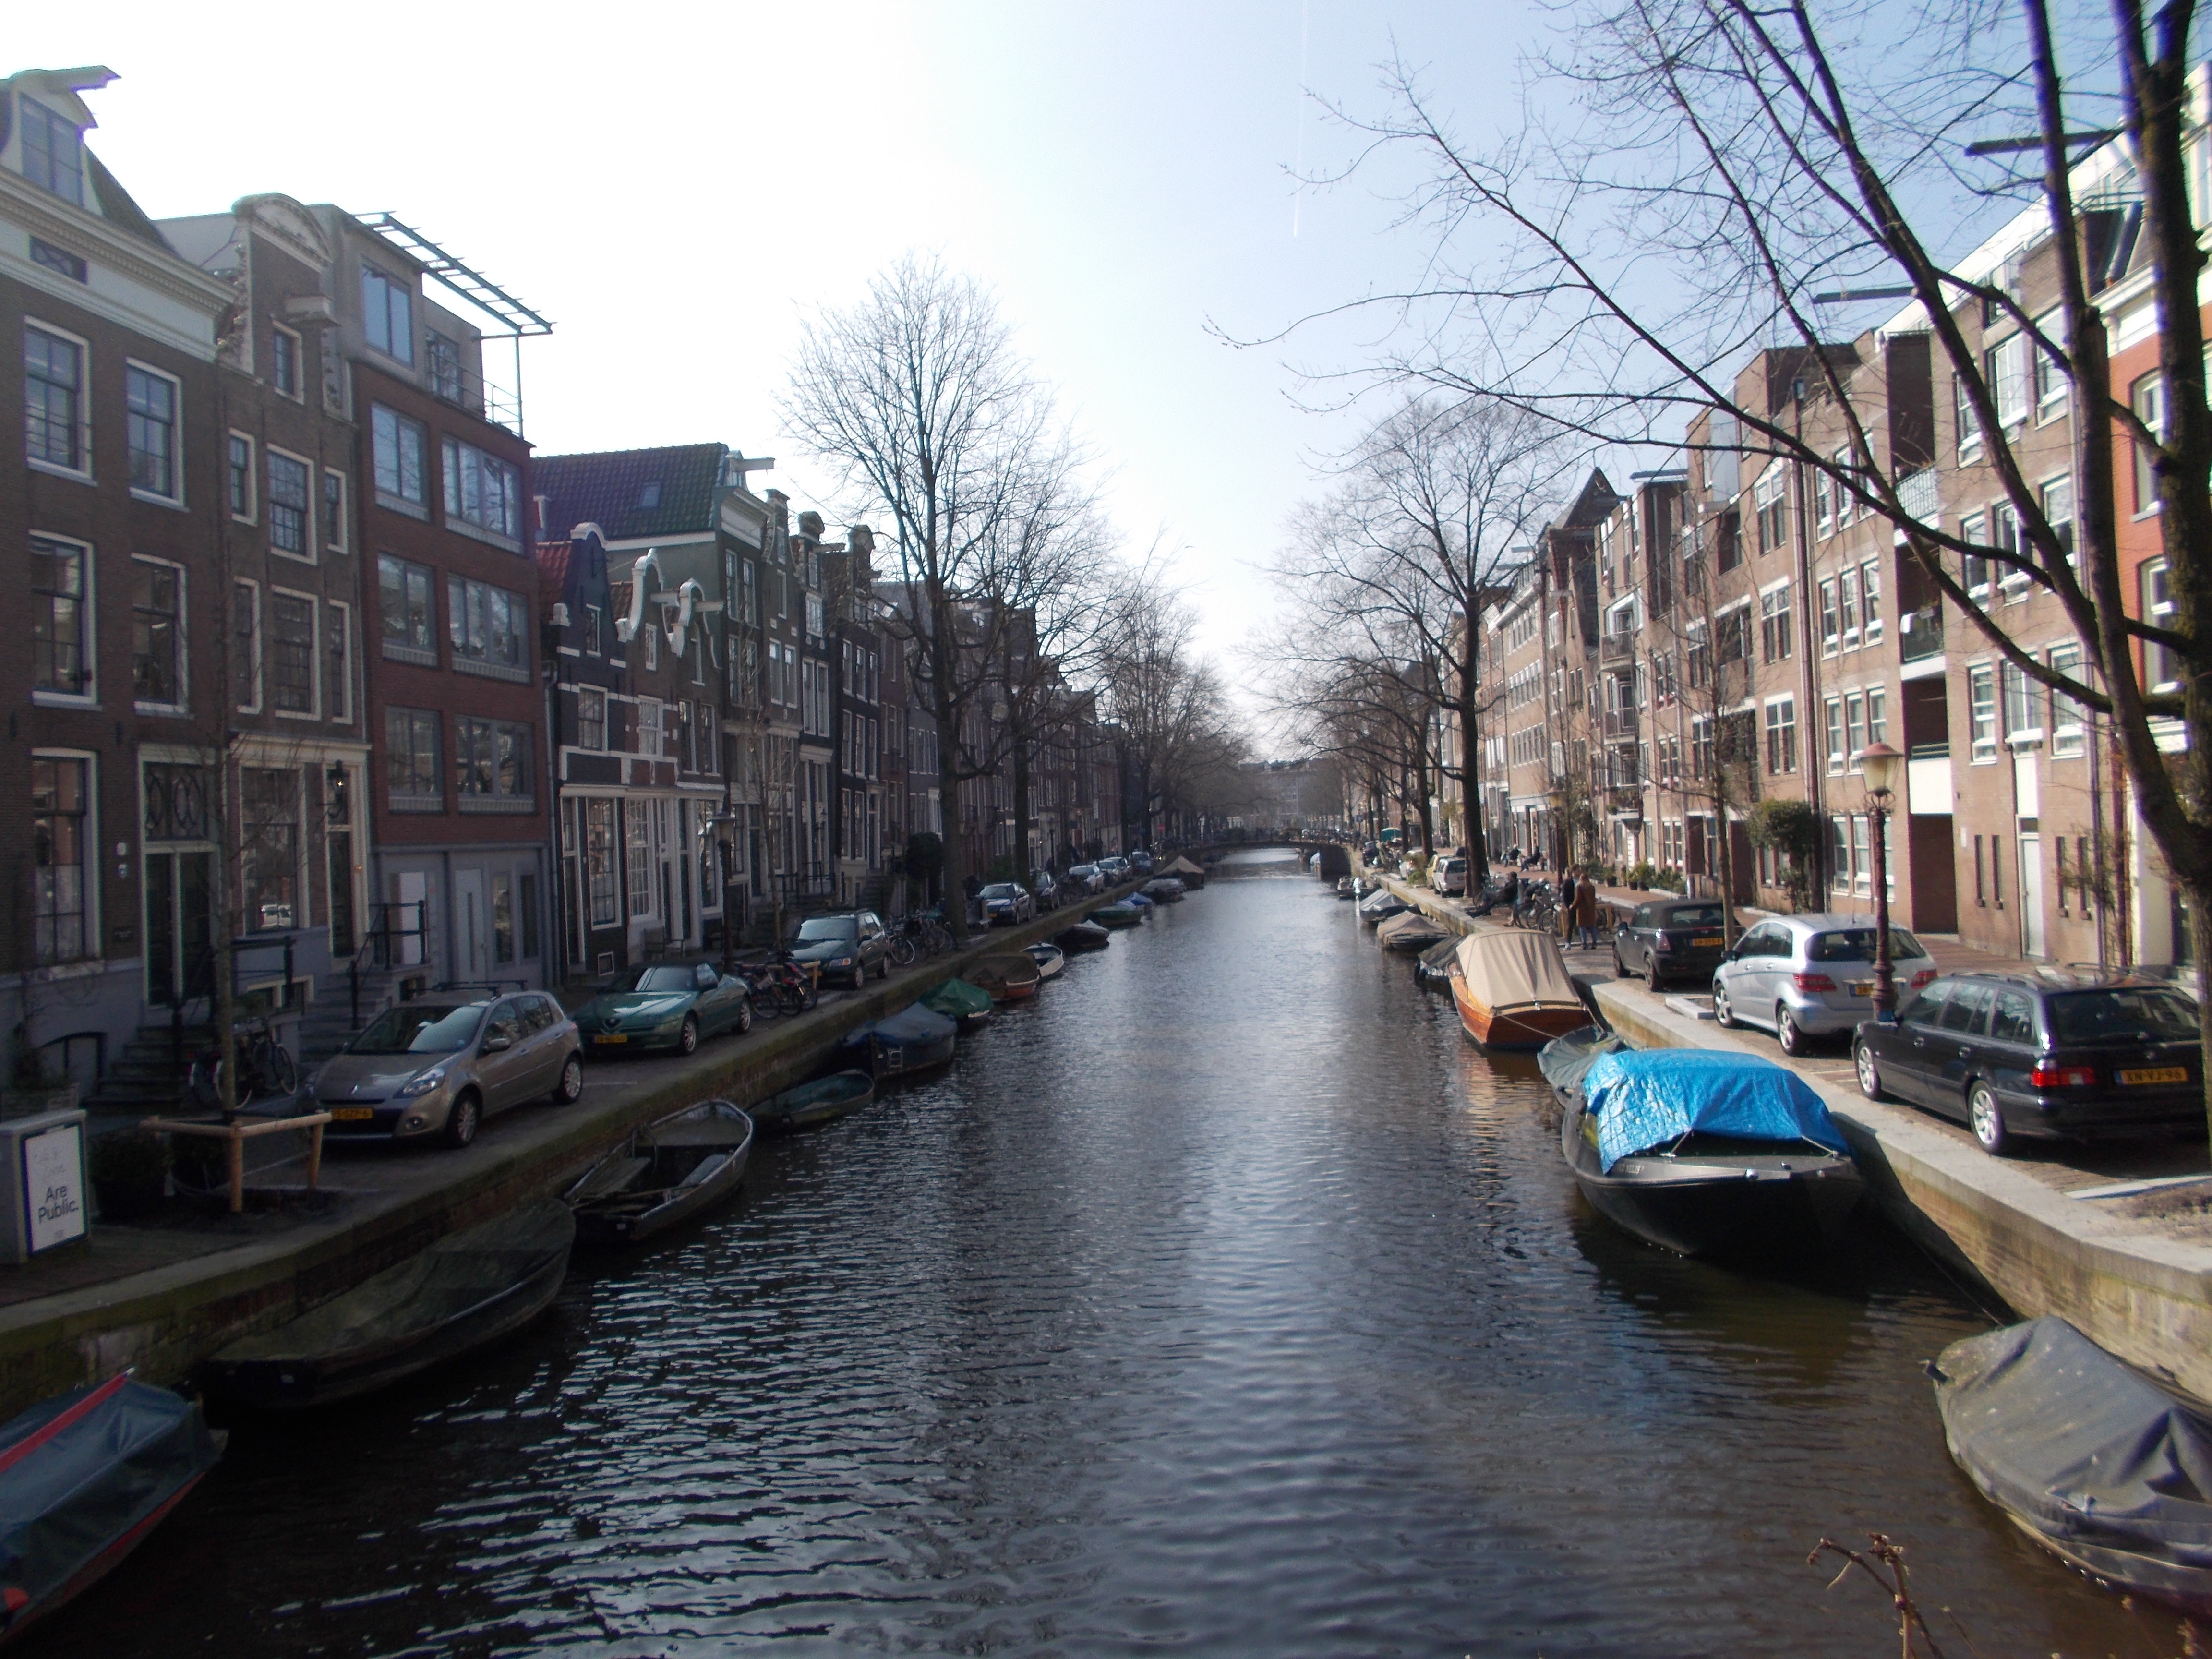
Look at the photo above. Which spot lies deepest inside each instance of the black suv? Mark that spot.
(848, 946)
(2078, 1055)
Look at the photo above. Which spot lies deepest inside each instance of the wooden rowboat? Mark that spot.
(465, 1291)
(1513, 989)
(1007, 979)
(666, 1172)
(1051, 961)
(813, 1104)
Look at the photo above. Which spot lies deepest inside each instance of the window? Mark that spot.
(1824, 504)
(1974, 568)
(157, 634)
(288, 505)
(61, 846)
(1774, 624)
(269, 857)
(338, 662)
(1870, 599)
(410, 759)
(292, 652)
(1855, 728)
(1838, 750)
(1877, 702)
(53, 151)
(284, 360)
(399, 444)
(2058, 514)
(1839, 854)
(334, 510)
(1969, 423)
(387, 308)
(53, 401)
(2051, 382)
(2067, 718)
(2013, 579)
(599, 861)
(2023, 726)
(445, 368)
(238, 477)
(59, 260)
(1781, 735)
(2006, 367)
(2147, 398)
(482, 490)
(637, 844)
(491, 763)
(61, 618)
(149, 431)
(1767, 495)
(1829, 636)
(486, 626)
(593, 645)
(1982, 712)
(2161, 666)
(403, 592)
(246, 644)
(1847, 606)
(591, 717)
(649, 726)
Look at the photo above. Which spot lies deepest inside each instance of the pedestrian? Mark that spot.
(1567, 907)
(1586, 911)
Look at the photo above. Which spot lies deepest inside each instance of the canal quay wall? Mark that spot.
(161, 1323)
(2129, 1288)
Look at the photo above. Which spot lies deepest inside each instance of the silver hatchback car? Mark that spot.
(1811, 977)
(443, 1063)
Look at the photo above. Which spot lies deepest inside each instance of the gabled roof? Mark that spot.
(630, 493)
(553, 573)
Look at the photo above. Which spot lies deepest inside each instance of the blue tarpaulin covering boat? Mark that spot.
(907, 1041)
(1648, 1098)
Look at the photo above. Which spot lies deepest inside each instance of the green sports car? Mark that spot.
(664, 1005)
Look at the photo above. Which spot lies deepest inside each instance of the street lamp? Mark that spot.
(1880, 763)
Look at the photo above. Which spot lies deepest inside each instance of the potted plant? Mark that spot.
(129, 1172)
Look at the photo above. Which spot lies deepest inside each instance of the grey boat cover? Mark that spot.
(2101, 1462)
(1564, 1060)
(80, 1472)
(914, 1023)
(1383, 902)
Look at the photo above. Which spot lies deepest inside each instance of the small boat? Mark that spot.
(816, 1102)
(1051, 961)
(1700, 1151)
(912, 1040)
(969, 1005)
(1009, 978)
(2106, 1469)
(1347, 887)
(1082, 936)
(1380, 905)
(1411, 933)
(1164, 889)
(1138, 903)
(1117, 915)
(666, 1172)
(1514, 991)
(1189, 874)
(466, 1291)
(1434, 969)
(84, 1477)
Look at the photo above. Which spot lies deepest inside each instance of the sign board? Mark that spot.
(53, 1186)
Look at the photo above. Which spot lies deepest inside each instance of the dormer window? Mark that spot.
(53, 151)
(650, 494)
(387, 314)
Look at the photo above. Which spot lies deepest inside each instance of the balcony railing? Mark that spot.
(1916, 494)
(1616, 647)
(1619, 723)
(1624, 798)
(455, 383)
(1920, 633)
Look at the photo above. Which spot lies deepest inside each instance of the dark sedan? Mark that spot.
(1671, 938)
(2077, 1056)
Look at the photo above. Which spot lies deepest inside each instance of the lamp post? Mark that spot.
(1880, 765)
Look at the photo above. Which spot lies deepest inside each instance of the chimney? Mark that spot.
(810, 524)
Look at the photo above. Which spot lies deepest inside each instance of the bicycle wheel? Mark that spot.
(281, 1074)
(904, 953)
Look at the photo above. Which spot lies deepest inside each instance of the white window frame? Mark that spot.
(2017, 737)
(2160, 612)
(230, 641)
(342, 625)
(1974, 528)
(297, 394)
(176, 435)
(252, 515)
(312, 513)
(1834, 723)
(94, 929)
(88, 629)
(2048, 372)
(339, 542)
(1983, 751)
(82, 474)
(2068, 720)
(314, 603)
(2012, 582)
(2005, 366)
(184, 665)
(1871, 601)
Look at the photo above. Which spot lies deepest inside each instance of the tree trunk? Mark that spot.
(1470, 783)
(1021, 758)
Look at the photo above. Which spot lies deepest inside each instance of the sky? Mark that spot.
(677, 187)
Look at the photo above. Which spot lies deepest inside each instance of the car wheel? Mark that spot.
(1786, 1030)
(1987, 1122)
(744, 1015)
(1723, 1011)
(883, 967)
(1869, 1070)
(687, 1040)
(571, 1089)
(1620, 968)
(463, 1120)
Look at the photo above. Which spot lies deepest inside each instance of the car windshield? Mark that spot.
(1856, 944)
(1001, 890)
(817, 928)
(420, 1028)
(658, 978)
(2120, 1015)
(1691, 916)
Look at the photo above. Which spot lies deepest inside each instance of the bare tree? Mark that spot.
(1709, 169)
(916, 396)
(1176, 724)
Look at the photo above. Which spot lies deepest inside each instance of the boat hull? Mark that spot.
(1525, 1026)
(624, 1216)
(812, 1104)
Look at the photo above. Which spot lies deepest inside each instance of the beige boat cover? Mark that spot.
(1182, 867)
(1515, 967)
(1413, 922)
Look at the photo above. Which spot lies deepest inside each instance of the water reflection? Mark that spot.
(1222, 1300)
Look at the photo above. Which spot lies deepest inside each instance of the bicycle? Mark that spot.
(265, 1068)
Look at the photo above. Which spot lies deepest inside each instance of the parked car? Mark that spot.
(1044, 889)
(2083, 1056)
(1671, 939)
(442, 1064)
(1810, 976)
(1447, 875)
(846, 946)
(1005, 902)
(1141, 861)
(1114, 869)
(1085, 878)
(664, 1005)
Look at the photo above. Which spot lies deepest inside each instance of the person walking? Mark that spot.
(1586, 911)
(1567, 891)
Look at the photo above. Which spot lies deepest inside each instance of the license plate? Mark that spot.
(2156, 1074)
(1704, 940)
(351, 1114)
(1861, 987)
(610, 1036)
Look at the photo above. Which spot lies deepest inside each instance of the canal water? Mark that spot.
(1223, 1301)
